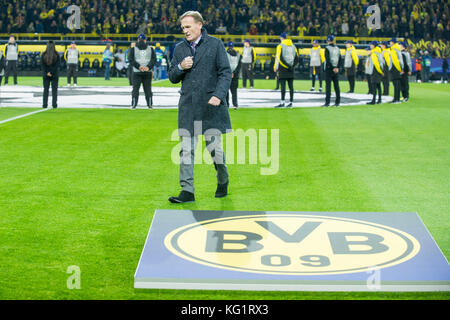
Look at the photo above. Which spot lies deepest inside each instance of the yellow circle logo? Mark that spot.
(292, 244)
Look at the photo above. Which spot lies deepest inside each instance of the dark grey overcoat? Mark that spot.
(209, 76)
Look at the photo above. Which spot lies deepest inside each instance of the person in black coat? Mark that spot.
(50, 63)
(200, 62)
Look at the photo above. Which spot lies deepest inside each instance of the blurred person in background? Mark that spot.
(72, 56)
(50, 65)
(107, 60)
(11, 53)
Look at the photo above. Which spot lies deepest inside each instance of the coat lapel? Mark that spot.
(202, 48)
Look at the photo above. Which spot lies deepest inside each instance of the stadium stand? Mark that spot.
(424, 24)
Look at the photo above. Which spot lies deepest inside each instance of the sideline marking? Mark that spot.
(23, 115)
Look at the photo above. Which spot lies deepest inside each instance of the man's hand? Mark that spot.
(49, 74)
(214, 101)
(187, 63)
(335, 70)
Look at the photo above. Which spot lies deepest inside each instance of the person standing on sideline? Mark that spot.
(374, 68)
(50, 65)
(387, 66)
(317, 58)
(142, 59)
(418, 62)
(286, 57)
(157, 69)
(427, 66)
(234, 58)
(127, 62)
(331, 68)
(406, 70)
(351, 62)
(2, 67)
(72, 56)
(11, 55)
(107, 60)
(248, 59)
(397, 68)
(200, 62)
(444, 69)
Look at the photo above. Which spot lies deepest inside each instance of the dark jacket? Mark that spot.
(2, 63)
(53, 68)
(236, 71)
(209, 76)
(133, 60)
(328, 65)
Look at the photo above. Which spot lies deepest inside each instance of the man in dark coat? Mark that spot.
(200, 62)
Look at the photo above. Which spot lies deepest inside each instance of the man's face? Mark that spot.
(191, 28)
(72, 45)
(11, 40)
(247, 44)
(348, 45)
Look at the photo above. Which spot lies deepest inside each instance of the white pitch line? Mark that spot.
(23, 115)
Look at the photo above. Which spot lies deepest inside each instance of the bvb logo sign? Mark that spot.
(292, 244)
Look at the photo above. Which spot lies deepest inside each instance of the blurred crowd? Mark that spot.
(412, 19)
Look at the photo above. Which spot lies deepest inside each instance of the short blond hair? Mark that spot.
(194, 14)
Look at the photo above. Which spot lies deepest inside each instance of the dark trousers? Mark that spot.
(404, 84)
(1, 77)
(54, 81)
(247, 73)
(283, 88)
(368, 83)
(386, 82)
(233, 88)
(351, 78)
(11, 68)
(130, 74)
(351, 82)
(374, 88)
(72, 73)
(316, 71)
(397, 88)
(332, 77)
(146, 79)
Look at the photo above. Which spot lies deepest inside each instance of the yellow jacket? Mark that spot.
(395, 56)
(374, 57)
(387, 56)
(287, 42)
(354, 55)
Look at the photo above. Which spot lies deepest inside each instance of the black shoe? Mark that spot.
(222, 190)
(289, 105)
(184, 197)
(371, 102)
(150, 107)
(379, 102)
(337, 104)
(326, 105)
(54, 107)
(320, 89)
(44, 107)
(350, 91)
(280, 106)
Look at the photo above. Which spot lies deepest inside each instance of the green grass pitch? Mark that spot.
(79, 186)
